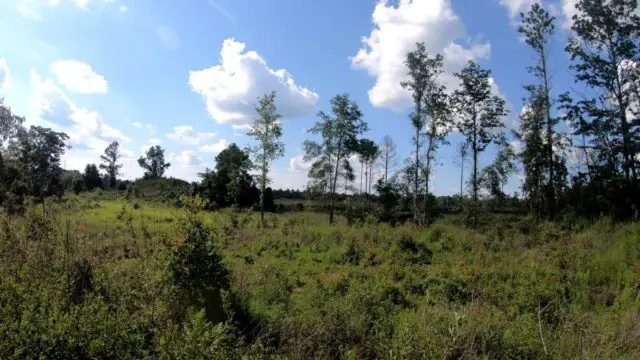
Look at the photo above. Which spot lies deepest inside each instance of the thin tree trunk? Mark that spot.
(474, 177)
(335, 180)
(626, 140)
(551, 194)
(361, 172)
(386, 164)
(415, 180)
(461, 177)
(427, 176)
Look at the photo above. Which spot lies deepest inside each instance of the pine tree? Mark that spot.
(480, 114)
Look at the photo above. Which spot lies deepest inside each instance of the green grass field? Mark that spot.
(109, 278)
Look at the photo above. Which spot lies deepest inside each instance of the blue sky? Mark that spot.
(186, 74)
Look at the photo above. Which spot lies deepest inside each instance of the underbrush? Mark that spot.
(116, 279)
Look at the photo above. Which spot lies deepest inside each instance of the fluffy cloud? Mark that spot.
(150, 128)
(185, 165)
(215, 148)
(86, 128)
(515, 7)
(185, 134)
(4, 74)
(168, 37)
(299, 165)
(230, 89)
(78, 77)
(186, 158)
(396, 31)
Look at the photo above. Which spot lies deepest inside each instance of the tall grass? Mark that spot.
(98, 278)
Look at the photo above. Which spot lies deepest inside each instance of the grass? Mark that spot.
(299, 288)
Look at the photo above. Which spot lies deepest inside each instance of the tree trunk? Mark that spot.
(386, 164)
(335, 180)
(461, 177)
(361, 172)
(474, 176)
(427, 176)
(551, 193)
(415, 180)
(626, 140)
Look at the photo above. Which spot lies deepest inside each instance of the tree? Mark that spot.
(480, 114)
(233, 183)
(267, 131)
(92, 178)
(10, 123)
(369, 152)
(496, 175)
(423, 71)
(38, 151)
(153, 163)
(537, 28)
(389, 151)
(460, 159)
(532, 121)
(339, 140)
(110, 162)
(604, 45)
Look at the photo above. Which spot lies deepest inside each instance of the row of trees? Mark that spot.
(603, 125)
(604, 129)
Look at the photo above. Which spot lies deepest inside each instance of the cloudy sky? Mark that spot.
(186, 74)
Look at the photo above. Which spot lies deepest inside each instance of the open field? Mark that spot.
(100, 278)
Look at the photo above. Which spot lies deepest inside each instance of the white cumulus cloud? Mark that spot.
(215, 148)
(185, 134)
(86, 128)
(396, 31)
(299, 165)
(231, 88)
(78, 77)
(515, 7)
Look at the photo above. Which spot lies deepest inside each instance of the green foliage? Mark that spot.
(77, 284)
(92, 177)
(110, 163)
(266, 129)
(153, 163)
(339, 140)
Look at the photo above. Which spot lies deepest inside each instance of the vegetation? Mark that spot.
(100, 278)
(94, 266)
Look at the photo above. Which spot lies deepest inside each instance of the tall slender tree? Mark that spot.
(605, 43)
(369, 152)
(339, 140)
(538, 28)
(389, 151)
(460, 159)
(267, 131)
(480, 114)
(439, 123)
(110, 162)
(423, 71)
(530, 133)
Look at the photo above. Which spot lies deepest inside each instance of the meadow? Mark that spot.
(102, 276)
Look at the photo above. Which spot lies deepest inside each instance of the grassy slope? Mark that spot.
(317, 291)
